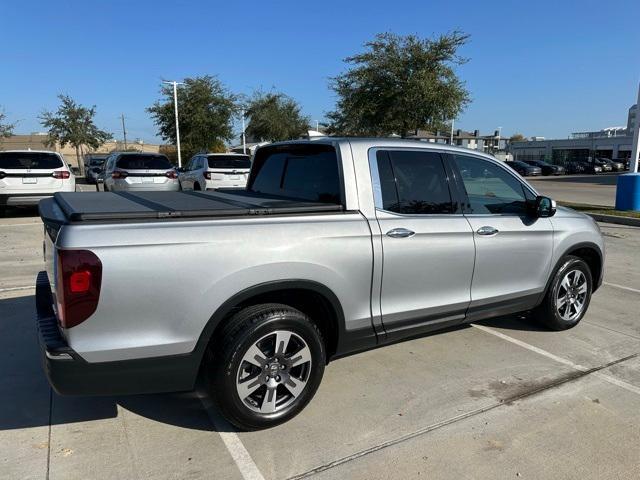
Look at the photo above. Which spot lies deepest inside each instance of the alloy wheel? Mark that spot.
(572, 295)
(273, 372)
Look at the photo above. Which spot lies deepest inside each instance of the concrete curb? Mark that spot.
(629, 221)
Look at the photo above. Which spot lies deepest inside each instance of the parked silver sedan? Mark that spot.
(209, 171)
(139, 172)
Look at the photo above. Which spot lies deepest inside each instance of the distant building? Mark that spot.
(610, 142)
(472, 140)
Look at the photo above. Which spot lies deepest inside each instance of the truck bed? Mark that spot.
(109, 206)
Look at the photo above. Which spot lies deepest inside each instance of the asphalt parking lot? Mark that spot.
(590, 189)
(501, 399)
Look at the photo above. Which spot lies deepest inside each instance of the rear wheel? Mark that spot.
(567, 300)
(266, 367)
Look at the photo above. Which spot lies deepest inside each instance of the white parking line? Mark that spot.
(12, 289)
(20, 224)
(575, 366)
(248, 468)
(635, 290)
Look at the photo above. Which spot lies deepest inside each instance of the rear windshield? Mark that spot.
(31, 160)
(143, 162)
(304, 172)
(96, 162)
(229, 161)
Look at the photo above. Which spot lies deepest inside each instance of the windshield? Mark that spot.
(143, 162)
(96, 162)
(229, 161)
(29, 160)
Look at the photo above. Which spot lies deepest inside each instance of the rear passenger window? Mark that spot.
(414, 182)
(304, 172)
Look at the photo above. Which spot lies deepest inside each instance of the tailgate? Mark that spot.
(53, 219)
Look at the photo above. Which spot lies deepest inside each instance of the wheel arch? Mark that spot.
(305, 295)
(589, 252)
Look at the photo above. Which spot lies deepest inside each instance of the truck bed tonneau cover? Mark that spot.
(88, 206)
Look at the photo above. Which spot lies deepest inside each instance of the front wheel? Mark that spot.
(266, 367)
(569, 295)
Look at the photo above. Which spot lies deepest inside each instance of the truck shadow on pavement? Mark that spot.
(27, 401)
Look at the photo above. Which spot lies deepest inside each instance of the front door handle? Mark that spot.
(400, 233)
(487, 230)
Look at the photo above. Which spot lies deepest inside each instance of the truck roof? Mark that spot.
(371, 142)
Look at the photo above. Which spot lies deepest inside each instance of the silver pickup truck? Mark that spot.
(335, 246)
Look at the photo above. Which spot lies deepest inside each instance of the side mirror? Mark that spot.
(544, 207)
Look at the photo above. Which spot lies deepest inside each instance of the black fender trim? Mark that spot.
(597, 282)
(347, 341)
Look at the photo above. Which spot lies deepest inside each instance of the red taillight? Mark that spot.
(61, 174)
(171, 174)
(78, 280)
(119, 174)
(207, 175)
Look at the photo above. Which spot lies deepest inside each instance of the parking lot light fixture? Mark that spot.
(175, 107)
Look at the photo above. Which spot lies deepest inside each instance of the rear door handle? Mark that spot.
(487, 230)
(400, 233)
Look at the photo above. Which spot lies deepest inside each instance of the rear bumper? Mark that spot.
(69, 374)
(146, 187)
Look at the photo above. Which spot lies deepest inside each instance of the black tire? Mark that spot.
(225, 365)
(548, 311)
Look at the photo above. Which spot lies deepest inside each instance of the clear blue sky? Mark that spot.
(540, 68)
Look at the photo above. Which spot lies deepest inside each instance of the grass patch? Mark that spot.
(583, 207)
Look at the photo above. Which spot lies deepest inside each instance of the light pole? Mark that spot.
(451, 136)
(244, 138)
(635, 150)
(124, 132)
(499, 132)
(175, 106)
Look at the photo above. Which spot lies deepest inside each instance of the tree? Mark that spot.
(6, 129)
(517, 137)
(206, 110)
(73, 124)
(400, 84)
(274, 117)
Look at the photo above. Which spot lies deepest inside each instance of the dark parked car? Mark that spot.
(92, 162)
(525, 169)
(615, 165)
(602, 164)
(547, 168)
(582, 166)
(93, 169)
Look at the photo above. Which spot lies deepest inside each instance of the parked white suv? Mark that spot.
(27, 176)
(209, 171)
(133, 171)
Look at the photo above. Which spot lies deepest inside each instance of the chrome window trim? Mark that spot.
(377, 189)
